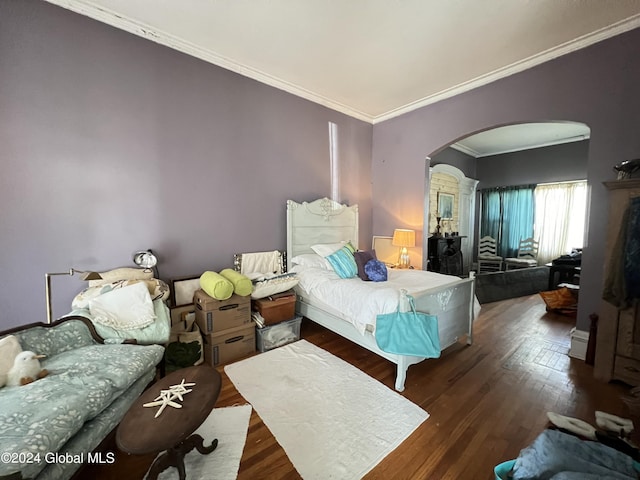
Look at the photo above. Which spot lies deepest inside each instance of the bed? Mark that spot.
(325, 221)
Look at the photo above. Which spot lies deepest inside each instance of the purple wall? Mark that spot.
(597, 86)
(110, 143)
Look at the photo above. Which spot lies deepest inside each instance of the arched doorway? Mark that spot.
(517, 154)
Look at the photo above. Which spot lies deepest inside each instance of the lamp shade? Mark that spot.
(404, 238)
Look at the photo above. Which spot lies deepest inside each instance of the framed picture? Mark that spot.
(445, 205)
(182, 290)
(385, 251)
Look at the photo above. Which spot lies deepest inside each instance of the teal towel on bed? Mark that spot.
(216, 286)
(408, 333)
(241, 284)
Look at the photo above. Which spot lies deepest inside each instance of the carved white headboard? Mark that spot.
(320, 221)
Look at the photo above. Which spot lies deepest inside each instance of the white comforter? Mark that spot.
(360, 302)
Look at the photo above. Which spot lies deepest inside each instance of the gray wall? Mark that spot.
(110, 143)
(556, 163)
(458, 159)
(597, 86)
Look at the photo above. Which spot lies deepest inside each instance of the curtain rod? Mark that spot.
(565, 181)
(530, 185)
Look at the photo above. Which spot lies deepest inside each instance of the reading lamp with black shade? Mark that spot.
(84, 275)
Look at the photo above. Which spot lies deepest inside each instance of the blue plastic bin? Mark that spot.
(502, 470)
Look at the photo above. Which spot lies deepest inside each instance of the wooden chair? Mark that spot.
(488, 260)
(527, 255)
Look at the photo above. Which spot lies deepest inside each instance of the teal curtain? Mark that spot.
(508, 216)
(491, 216)
(517, 218)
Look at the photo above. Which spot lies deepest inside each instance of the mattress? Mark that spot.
(359, 302)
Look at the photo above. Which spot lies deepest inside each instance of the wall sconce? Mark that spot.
(72, 271)
(146, 259)
(404, 239)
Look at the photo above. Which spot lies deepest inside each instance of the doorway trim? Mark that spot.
(466, 211)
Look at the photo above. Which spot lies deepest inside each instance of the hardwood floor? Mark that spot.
(487, 401)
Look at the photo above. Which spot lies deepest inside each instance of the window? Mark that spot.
(554, 214)
(560, 211)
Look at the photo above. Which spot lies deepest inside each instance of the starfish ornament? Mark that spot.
(167, 397)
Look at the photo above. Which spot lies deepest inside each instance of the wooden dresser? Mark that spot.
(618, 338)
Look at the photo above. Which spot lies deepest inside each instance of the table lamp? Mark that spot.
(404, 239)
(72, 271)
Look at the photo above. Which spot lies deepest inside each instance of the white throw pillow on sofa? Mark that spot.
(126, 308)
(124, 273)
(9, 350)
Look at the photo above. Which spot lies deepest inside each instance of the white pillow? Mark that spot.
(273, 285)
(326, 249)
(9, 350)
(311, 260)
(157, 289)
(124, 273)
(126, 308)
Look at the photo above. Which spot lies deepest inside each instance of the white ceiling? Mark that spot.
(371, 59)
(514, 138)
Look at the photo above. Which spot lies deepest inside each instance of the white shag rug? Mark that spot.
(332, 420)
(229, 425)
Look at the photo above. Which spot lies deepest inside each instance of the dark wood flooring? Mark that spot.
(487, 401)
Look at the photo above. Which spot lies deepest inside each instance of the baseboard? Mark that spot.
(579, 342)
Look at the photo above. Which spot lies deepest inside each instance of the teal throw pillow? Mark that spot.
(343, 262)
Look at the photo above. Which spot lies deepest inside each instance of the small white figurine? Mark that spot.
(26, 369)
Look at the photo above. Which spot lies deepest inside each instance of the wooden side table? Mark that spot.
(565, 273)
(139, 433)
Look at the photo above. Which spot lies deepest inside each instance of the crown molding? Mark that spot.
(531, 146)
(163, 38)
(465, 149)
(138, 28)
(542, 57)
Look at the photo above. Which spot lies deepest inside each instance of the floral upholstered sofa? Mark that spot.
(48, 427)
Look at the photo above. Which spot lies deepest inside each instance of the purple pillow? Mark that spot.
(362, 257)
(376, 270)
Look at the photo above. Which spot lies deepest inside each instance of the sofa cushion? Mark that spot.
(91, 434)
(51, 341)
(40, 417)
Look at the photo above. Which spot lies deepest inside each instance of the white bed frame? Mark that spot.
(326, 221)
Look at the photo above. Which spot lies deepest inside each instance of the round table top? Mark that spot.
(140, 433)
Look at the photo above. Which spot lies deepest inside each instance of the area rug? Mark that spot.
(229, 425)
(331, 419)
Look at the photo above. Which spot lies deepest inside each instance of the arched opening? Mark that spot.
(531, 154)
